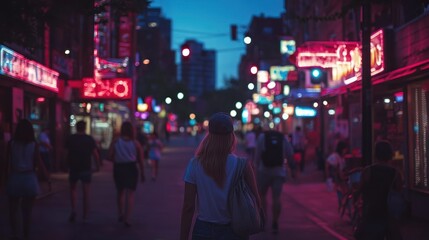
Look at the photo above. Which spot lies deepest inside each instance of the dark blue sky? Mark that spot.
(208, 21)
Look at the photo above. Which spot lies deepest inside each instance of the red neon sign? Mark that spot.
(15, 65)
(117, 88)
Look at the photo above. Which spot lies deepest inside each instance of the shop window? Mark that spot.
(389, 124)
(419, 138)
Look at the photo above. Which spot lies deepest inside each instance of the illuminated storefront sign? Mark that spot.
(262, 99)
(125, 36)
(117, 88)
(15, 65)
(324, 54)
(283, 73)
(305, 112)
(377, 60)
(287, 46)
(345, 58)
(262, 76)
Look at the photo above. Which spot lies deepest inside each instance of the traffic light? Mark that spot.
(234, 32)
(186, 52)
(318, 76)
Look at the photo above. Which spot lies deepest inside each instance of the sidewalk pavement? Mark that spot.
(322, 203)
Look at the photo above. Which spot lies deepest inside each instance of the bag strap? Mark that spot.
(238, 174)
(241, 164)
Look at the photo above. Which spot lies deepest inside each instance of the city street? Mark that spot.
(309, 212)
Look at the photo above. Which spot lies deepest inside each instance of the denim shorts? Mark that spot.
(266, 181)
(213, 231)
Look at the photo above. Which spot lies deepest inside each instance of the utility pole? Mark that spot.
(366, 84)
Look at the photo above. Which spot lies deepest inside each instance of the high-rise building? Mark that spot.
(156, 64)
(264, 49)
(198, 69)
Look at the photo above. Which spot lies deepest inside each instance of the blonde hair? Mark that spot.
(212, 154)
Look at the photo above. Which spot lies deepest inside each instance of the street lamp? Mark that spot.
(233, 113)
(238, 105)
(180, 96)
(251, 86)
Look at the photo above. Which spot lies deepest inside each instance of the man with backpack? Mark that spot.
(273, 155)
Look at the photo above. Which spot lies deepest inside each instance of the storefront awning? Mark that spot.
(407, 73)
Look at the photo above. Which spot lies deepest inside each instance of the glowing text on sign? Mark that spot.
(305, 111)
(117, 88)
(15, 65)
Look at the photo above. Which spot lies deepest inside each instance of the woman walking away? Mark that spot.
(155, 149)
(209, 175)
(126, 153)
(22, 187)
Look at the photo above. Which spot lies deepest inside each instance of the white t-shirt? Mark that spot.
(212, 200)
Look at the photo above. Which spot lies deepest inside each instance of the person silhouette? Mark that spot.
(209, 176)
(23, 157)
(79, 148)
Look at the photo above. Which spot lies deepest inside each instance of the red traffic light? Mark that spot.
(186, 52)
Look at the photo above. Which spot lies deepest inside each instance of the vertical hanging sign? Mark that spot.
(125, 36)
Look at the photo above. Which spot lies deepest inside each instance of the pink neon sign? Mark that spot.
(324, 54)
(345, 58)
(15, 65)
(117, 88)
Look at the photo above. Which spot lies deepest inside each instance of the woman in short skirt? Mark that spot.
(126, 154)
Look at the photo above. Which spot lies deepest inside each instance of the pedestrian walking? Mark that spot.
(144, 142)
(126, 154)
(250, 142)
(376, 181)
(79, 148)
(45, 148)
(299, 142)
(155, 153)
(209, 176)
(23, 157)
(334, 171)
(274, 154)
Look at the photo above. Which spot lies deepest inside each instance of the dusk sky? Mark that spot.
(209, 22)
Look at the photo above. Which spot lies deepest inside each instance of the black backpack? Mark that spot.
(273, 154)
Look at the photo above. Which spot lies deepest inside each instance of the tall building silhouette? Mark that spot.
(157, 67)
(198, 70)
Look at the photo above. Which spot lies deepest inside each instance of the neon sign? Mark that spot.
(281, 73)
(287, 46)
(377, 60)
(324, 54)
(117, 88)
(305, 111)
(15, 65)
(345, 58)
